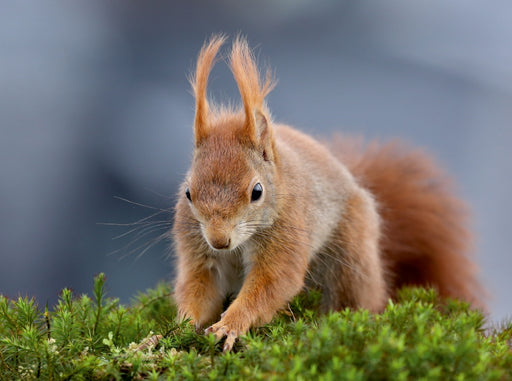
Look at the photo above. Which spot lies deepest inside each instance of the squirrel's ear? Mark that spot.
(262, 134)
(261, 128)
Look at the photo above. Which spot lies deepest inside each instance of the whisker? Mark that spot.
(155, 241)
(165, 197)
(138, 222)
(144, 247)
(142, 227)
(140, 204)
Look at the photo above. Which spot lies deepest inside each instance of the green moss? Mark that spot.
(416, 337)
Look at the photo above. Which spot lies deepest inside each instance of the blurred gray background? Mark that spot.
(94, 104)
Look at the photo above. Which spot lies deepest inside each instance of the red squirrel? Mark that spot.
(266, 211)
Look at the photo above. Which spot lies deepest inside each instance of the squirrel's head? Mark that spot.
(231, 185)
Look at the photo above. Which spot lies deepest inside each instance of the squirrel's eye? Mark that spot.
(187, 193)
(257, 191)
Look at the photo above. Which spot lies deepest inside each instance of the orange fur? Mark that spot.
(200, 80)
(272, 211)
(246, 74)
(426, 240)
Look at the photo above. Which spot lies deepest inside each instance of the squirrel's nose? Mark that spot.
(219, 243)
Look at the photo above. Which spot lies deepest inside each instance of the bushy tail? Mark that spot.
(425, 238)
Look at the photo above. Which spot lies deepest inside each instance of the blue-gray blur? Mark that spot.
(94, 103)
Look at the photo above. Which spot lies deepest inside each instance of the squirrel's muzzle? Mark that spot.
(218, 235)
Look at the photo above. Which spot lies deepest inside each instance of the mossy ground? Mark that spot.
(96, 338)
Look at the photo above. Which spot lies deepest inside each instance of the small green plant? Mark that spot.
(84, 338)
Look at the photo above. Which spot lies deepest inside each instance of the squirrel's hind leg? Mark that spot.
(348, 269)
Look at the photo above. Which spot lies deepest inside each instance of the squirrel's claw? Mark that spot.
(221, 331)
(230, 341)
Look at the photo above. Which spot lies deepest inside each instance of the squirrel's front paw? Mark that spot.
(222, 329)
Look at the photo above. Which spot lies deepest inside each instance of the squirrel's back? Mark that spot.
(425, 238)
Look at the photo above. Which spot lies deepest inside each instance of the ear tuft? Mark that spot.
(253, 89)
(243, 65)
(199, 82)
